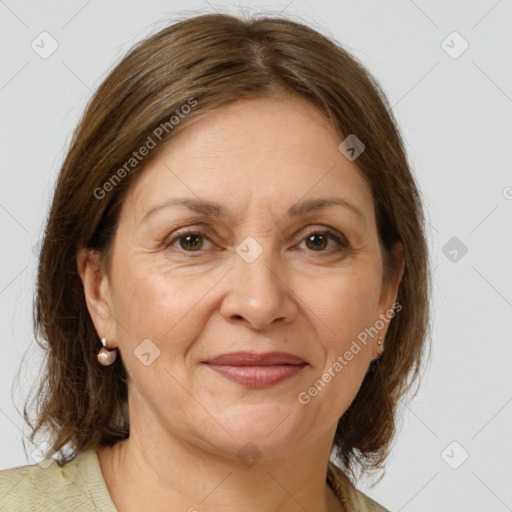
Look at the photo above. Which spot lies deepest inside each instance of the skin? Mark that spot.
(257, 158)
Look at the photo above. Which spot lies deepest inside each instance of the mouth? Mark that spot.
(257, 370)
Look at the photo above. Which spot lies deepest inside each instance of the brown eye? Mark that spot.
(193, 242)
(317, 241)
(189, 241)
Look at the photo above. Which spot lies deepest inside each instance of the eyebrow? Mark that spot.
(210, 208)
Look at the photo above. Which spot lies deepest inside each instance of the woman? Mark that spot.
(237, 223)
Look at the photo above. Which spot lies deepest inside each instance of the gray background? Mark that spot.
(455, 112)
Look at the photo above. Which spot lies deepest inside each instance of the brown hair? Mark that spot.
(210, 61)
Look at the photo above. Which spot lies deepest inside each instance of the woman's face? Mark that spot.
(252, 272)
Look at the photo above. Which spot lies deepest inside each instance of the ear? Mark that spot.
(97, 293)
(390, 285)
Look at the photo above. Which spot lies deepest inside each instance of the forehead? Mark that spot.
(269, 151)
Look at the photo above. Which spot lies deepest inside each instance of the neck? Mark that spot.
(155, 467)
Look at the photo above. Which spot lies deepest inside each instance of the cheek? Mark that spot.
(343, 318)
(162, 304)
(343, 305)
(344, 309)
(164, 310)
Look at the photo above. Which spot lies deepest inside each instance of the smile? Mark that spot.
(258, 376)
(257, 370)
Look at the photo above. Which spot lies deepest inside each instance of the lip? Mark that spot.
(254, 359)
(257, 370)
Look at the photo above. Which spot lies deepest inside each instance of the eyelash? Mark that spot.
(332, 235)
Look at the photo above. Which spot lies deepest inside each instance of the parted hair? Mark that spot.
(206, 62)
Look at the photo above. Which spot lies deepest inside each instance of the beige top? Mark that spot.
(79, 486)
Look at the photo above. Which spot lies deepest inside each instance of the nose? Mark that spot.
(259, 292)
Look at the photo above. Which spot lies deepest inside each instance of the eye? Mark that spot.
(189, 241)
(317, 240)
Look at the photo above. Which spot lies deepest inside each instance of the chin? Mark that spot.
(269, 428)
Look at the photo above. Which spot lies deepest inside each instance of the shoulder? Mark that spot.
(77, 485)
(371, 505)
(352, 499)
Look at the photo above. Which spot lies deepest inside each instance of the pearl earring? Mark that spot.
(106, 357)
